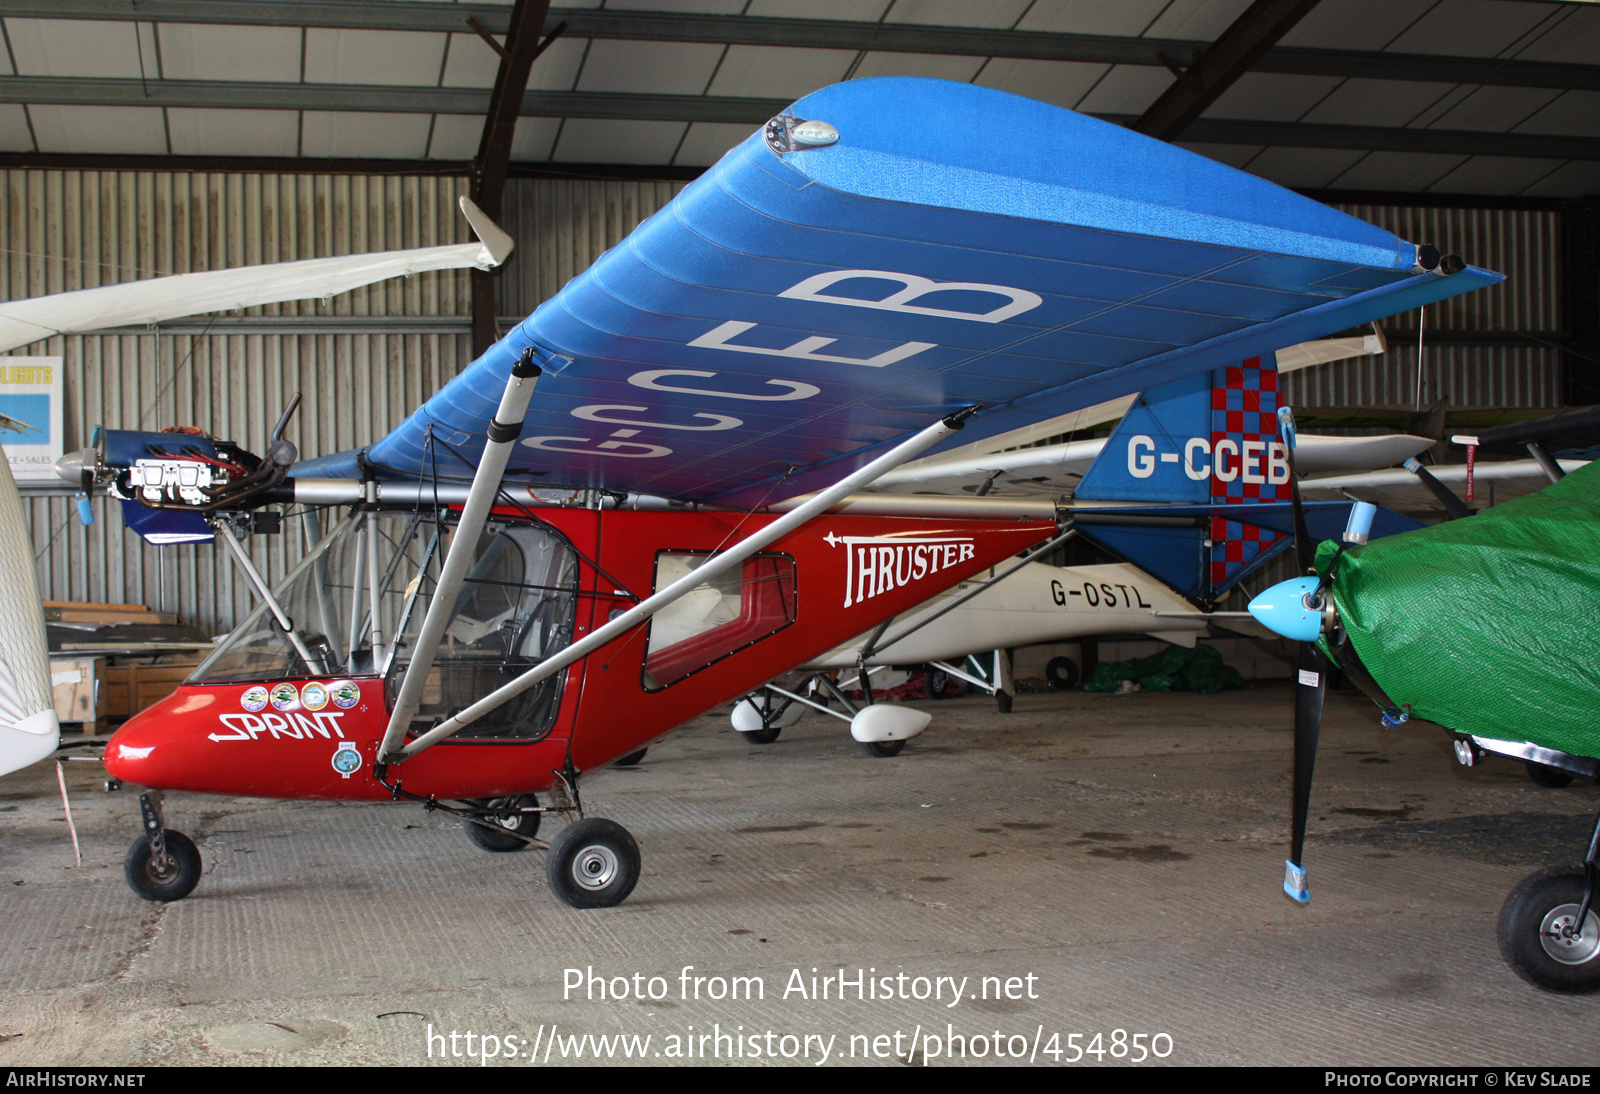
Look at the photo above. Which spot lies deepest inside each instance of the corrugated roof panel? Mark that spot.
(694, 7)
(1272, 96)
(1574, 39)
(1495, 109)
(1377, 102)
(1201, 19)
(233, 132)
(1127, 17)
(1060, 83)
(859, 10)
(1126, 89)
(938, 65)
(661, 68)
(1234, 155)
(773, 72)
(1308, 168)
(707, 141)
(399, 57)
(455, 137)
(992, 14)
(1472, 28)
(108, 130)
(557, 67)
(197, 51)
(1574, 114)
(1574, 180)
(14, 135)
(534, 139)
(1355, 24)
(76, 47)
(469, 62)
(339, 133)
(604, 140)
(1397, 171)
(1495, 175)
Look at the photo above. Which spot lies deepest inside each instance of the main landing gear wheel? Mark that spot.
(934, 682)
(1551, 778)
(1062, 672)
(1537, 937)
(631, 759)
(761, 736)
(501, 834)
(1002, 701)
(173, 878)
(884, 748)
(593, 863)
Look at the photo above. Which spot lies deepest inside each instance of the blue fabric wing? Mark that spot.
(796, 309)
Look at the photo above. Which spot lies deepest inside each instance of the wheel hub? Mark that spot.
(1558, 936)
(595, 867)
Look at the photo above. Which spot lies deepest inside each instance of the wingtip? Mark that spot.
(497, 245)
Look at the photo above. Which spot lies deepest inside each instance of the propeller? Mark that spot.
(1302, 609)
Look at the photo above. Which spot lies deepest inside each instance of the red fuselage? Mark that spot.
(848, 575)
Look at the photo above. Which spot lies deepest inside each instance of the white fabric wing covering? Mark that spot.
(28, 727)
(135, 303)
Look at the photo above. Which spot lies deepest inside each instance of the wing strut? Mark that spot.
(503, 433)
(640, 612)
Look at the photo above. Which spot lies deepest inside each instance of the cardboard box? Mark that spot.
(79, 694)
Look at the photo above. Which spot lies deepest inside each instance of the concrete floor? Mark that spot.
(1125, 852)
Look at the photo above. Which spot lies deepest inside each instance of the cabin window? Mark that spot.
(718, 618)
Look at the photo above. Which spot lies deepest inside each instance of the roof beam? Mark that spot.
(752, 112)
(1233, 54)
(817, 34)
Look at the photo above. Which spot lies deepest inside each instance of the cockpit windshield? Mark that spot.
(517, 605)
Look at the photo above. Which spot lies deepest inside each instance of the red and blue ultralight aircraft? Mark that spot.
(645, 500)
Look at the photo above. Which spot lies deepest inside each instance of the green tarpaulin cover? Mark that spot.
(1172, 669)
(1488, 625)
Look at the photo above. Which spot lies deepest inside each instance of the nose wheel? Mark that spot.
(593, 863)
(162, 864)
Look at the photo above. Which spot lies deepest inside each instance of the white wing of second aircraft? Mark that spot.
(158, 298)
(1404, 492)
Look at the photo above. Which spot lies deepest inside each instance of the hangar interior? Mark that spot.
(187, 135)
(163, 137)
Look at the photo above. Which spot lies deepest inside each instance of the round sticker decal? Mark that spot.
(254, 699)
(346, 759)
(285, 697)
(314, 696)
(344, 693)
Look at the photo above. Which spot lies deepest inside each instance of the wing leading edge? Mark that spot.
(801, 306)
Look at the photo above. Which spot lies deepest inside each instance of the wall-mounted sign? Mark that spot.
(30, 396)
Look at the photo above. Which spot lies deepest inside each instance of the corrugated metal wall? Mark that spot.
(1522, 244)
(64, 230)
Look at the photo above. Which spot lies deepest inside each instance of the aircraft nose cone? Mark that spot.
(70, 467)
(1282, 609)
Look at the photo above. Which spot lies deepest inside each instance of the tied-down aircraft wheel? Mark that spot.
(884, 748)
(761, 736)
(934, 682)
(1537, 937)
(631, 759)
(593, 863)
(499, 834)
(170, 879)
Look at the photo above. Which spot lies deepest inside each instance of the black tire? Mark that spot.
(593, 863)
(1531, 915)
(174, 882)
(1002, 702)
(499, 834)
(884, 748)
(761, 736)
(1551, 778)
(631, 759)
(934, 682)
(1063, 674)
